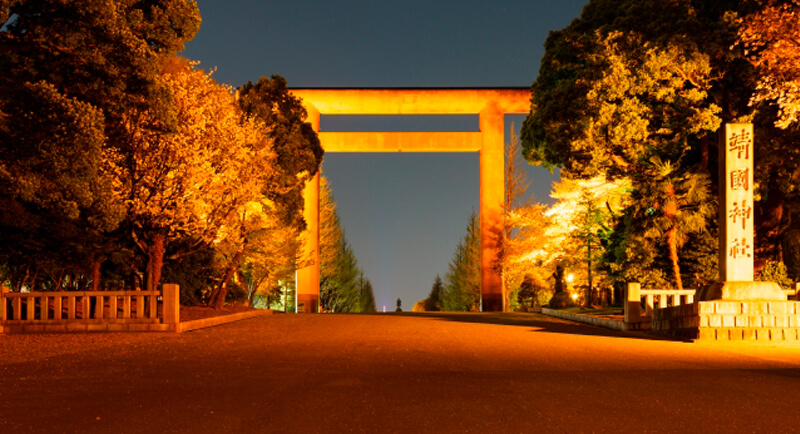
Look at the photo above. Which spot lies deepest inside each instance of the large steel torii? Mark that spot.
(489, 103)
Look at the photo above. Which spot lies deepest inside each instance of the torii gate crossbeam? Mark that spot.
(489, 103)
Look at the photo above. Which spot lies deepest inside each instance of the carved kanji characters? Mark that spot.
(743, 212)
(740, 249)
(740, 143)
(740, 179)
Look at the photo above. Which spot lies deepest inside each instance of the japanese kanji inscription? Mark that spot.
(736, 200)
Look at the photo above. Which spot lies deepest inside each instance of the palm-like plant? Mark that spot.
(672, 205)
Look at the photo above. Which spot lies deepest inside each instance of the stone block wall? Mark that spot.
(731, 320)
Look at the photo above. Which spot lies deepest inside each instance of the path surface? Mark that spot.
(392, 373)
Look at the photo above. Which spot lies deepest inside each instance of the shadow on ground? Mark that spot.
(538, 322)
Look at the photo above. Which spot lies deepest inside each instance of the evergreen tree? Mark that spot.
(342, 286)
(367, 299)
(462, 290)
(434, 301)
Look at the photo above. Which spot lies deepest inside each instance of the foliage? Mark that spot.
(636, 91)
(524, 226)
(775, 271)
(342, 285)
(190, 181)
(582, 223)
(771, 40)
(297, 147)
(118, 158)
(72, 71)
(434, 301)
(462, 288)
(366, 297)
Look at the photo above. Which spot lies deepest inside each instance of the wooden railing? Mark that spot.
(90, 310)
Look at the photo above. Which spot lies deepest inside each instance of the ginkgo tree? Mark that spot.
(257, 249)
(581, 221)
(188, 182)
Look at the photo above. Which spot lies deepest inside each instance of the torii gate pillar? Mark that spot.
(492, 166)
(489, 104)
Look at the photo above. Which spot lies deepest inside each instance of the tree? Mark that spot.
(190, 181)
(521, 227)
(331, 241)
(72, 72)
(297, 147)
(434, 301)
(256, 248)
(366, 297)
(463, 279)
(399, 305)
(771, 40)
(582, 222)
(618, 91)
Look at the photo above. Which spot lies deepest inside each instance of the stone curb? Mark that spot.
(186, 326)
(586, 319)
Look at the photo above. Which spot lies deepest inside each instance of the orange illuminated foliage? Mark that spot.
(771, 38)
(188, 180)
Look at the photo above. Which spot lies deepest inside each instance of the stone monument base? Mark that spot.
(742, 291)
(731, 320)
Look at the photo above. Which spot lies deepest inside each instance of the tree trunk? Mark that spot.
(672, 241)
(155, 261)
(217, 299)
(95, 273)
(589, 269)
(671, 212)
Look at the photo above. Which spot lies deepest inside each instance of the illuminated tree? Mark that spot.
(582, 218)
(771, 39)
(617, 92)
(189, 182)
(522, 224)
(257, 249)
(72, 71)
(331, 238)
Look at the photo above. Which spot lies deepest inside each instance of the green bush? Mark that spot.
(775, 271)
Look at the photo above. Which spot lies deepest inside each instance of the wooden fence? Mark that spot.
(71, 311)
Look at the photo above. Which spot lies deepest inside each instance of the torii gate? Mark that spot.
(489, 103)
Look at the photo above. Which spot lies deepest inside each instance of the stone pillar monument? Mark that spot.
(736, 234)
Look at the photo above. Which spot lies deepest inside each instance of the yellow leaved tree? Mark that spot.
(187, 179)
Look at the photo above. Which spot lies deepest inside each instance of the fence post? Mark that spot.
(633, 301)
(3, 306)
(171, 307)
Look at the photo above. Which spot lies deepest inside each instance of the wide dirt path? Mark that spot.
(393, 373)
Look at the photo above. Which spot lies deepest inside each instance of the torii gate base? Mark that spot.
(489, 103)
